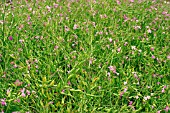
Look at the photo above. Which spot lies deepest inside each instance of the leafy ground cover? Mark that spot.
(85, 56)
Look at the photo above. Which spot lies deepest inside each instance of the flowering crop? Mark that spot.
(85, 56)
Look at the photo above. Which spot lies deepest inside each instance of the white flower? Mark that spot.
(137, 97)
(145, 98)
(148, 97)
(133, 47)
(125, 82)
(140, 50)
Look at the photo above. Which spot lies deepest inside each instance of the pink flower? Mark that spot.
(118, 2)
(152, 48)
(125, 89)
(163, 90)
(10, 38)
(56, 47)
(90, 61)
(51, 102)
(164, 87)
(136, 76)
(21, 26)
(18, 83)
(168, 57)
(55, 5)
(131, 0)
(28, 18)
(167, 109)
(15, 66)
(23, 95)
(119, 49)
(67, 29)
(125, 17)
(101, 32)
(130, 103)
(108, 74)
(75, 26)
(22, 91)
(30, 9)
(110, 40)
(48, 8)
(3, 102)
(36, 66)
(36, 61)
(121, 94)
(28, 92)
(21, 40)
(152, 107)
(105, 16)
(159, 111)
(112, 68)
(18, 100)
(153, 56)
(149, 31)
(164, 12)
(125, 43)
(69, 83)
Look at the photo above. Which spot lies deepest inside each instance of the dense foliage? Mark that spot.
(85, 56)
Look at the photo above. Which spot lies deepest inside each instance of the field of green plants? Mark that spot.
(78, 56)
